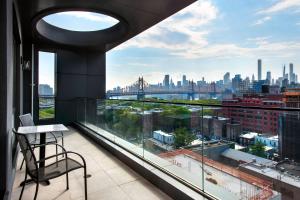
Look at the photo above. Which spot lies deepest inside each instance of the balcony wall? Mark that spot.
(79, 74)
(6, 98)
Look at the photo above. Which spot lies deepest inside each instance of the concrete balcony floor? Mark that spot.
(111, 179)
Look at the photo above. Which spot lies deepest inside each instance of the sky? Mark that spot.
(47, 68)
(206, 39)
(80, 21)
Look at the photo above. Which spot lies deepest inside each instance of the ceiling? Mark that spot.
(135, 16)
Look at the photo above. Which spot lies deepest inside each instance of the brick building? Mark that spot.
(291, 98)
(256, 120)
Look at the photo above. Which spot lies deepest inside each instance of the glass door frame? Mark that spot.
(36, 107)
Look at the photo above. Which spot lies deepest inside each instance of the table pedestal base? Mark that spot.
(29, 181)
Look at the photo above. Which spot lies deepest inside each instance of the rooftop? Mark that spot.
(163, 133)
(246, 157)
(249, 135)
(269, 137)
(274, 174)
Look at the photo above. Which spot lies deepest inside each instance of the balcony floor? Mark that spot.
(111, 179)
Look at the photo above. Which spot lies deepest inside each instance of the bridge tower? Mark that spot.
(191, 92)
(141, 92)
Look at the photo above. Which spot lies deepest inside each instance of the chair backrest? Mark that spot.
(27, 151)
(26, 120)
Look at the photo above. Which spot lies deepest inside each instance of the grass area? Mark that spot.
(47, 113)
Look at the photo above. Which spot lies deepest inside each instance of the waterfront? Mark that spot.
(169, 96)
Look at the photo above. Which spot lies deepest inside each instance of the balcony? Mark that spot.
(215, 159)
(144, 149)
(110, 178)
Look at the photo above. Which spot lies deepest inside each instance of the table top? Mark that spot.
(42, 128)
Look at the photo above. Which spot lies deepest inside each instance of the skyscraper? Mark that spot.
(292, 73)
(269, 77)
(284, 75)
(184, 81)
(167, 81)
(178, 83)
(237, 83)
(226, 78)
(172, 85)
(259, 69)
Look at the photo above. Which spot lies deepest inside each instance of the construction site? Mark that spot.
(243, 186)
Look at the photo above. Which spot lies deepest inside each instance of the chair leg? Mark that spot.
(85, 183)
(36, 190)
(22, 163)
(67, 176)
(56, 149)
(23, 186)
(62, 143)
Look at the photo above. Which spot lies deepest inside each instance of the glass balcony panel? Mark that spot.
(104, 118)
(127, 125)
(81, 110)
(223, 151)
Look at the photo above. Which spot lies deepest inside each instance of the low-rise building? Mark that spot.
(248, 139)
(195, 118)
(163, 137)
(233, 130)
(220, 127)
(147, 123)
(206, 125)
(267, 140)
(292, 98)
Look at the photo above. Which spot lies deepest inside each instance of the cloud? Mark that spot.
(262, 20)
(184, 31)
(280, 6)
(192, 24)
(259, 40)
(90, 16)
(141, 64)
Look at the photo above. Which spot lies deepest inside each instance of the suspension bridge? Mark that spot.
(141, 88)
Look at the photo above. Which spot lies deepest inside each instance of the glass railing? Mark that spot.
(229, 152)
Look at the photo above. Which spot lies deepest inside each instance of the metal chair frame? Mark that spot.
(31, 123)
(34, 173)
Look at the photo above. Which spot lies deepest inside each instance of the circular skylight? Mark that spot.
(80, 21)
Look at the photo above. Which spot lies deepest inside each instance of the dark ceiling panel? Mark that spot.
(139, 15)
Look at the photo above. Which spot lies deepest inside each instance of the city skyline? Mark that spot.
(288, 72)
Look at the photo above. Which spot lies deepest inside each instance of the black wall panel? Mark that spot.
(80, 74)
(6, 91)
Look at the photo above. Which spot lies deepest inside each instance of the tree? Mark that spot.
(258, 149)
(182, 137)
(127, 124)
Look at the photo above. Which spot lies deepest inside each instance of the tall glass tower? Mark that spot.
(259, 69)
